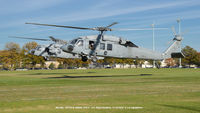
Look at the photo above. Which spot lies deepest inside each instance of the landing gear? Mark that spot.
(84, 58)
(94, 59)
(46, 58)
(157, 65)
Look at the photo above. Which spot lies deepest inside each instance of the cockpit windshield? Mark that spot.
(38, 48)
(79, 43)
(74, 41)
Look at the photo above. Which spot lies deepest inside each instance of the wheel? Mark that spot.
(94, 59)
(84, 58)
(46, 58)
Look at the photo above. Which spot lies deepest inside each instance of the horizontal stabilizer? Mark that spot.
(177, 55)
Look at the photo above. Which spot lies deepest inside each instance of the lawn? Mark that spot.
(100, 91)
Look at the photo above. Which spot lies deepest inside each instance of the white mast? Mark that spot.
(153, 36)
(179, 26)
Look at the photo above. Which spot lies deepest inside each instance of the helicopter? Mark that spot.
(49, 50)
(113, 46)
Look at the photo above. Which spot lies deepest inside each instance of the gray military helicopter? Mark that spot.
(112, 46)
(50, 50)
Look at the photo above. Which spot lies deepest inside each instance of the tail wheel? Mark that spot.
(94, 59)
(157, 65)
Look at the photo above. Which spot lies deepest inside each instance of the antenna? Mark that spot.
(153, 36)
(179, 32)
(179, 26)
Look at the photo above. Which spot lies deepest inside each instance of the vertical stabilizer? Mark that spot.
(174, 51)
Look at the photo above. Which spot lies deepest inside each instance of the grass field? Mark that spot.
(50, 91)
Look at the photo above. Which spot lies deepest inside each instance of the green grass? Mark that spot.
(156, 90)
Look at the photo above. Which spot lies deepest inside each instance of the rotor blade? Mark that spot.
(173, 30)
(169, 42)
(57, 40)
(62, 26)
(139, 29)
(52, 38)
(183, 33)
(41, 39)
(112, 24)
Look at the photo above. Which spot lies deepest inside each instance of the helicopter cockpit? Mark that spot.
(38, 48)
(73, 41)
(77, 41)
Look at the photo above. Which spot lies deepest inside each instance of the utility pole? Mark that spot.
(153, 31)
(179, 31)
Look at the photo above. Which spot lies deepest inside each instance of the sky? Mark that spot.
(93, 13)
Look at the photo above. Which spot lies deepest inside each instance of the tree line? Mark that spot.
(13, 57)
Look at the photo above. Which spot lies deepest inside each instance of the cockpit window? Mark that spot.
(38, 48)
(80, 43)
(74, 41)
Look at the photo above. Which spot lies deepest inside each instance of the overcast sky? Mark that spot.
(92, 13)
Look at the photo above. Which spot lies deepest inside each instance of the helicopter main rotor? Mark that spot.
(101, 29)
(56, 40)
(29, 38)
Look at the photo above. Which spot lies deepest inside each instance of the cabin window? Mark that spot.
(102, 46)
(109, 47)
(80, 43)
(91, 45)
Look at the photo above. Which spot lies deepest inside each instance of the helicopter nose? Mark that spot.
(64, 48)
(67, 48)
(70, 48)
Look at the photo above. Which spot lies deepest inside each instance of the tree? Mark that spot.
(129, 62)
(136, 62)
(4, 59)
(100, 62)
(11, 46)
(170, 62)
(30, 45)
(198, 63)
(13, 59)
(158, 63)
(191, 56)
(110, 61)
(141, 62)
(29, 61)
(52, 66)
(60, 66)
